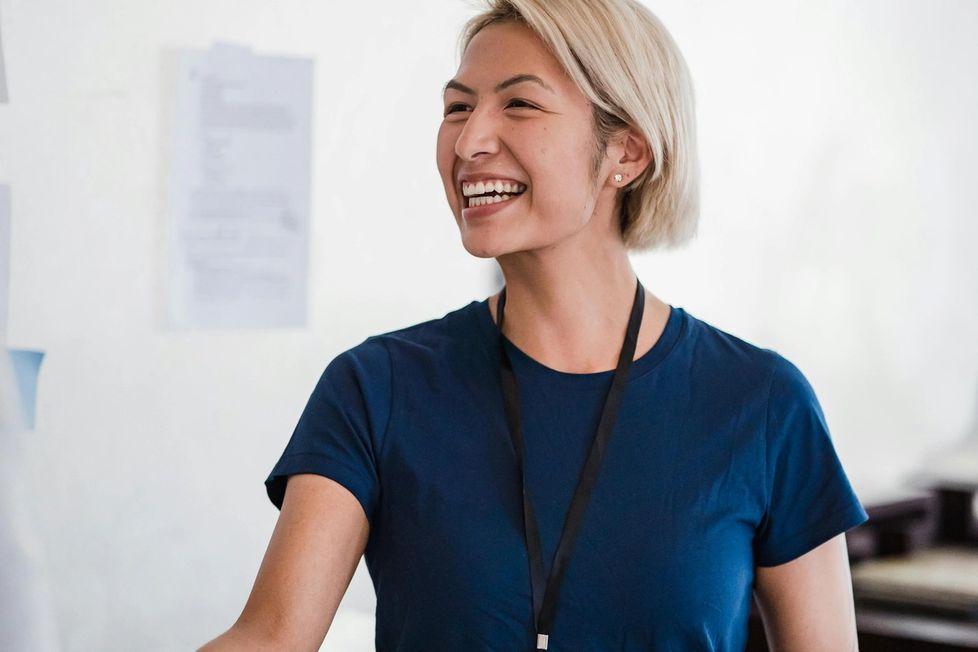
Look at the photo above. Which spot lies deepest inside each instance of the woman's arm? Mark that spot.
(806, 604)
(315, 547)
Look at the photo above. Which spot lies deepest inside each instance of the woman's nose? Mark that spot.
(479, 134)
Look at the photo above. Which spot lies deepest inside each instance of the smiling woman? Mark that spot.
(572, 463)
(578, 97)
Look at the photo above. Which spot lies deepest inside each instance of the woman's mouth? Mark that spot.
(489, 203)
(490, 192)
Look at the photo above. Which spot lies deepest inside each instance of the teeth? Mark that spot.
(482, 187)
(494, 199)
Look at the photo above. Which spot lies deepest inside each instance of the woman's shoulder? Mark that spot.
(457, 327)
(737, 356)
(449, 323)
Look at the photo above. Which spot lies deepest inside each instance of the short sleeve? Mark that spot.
(341, 429)
(809, 497)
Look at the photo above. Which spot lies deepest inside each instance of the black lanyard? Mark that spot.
(543, 610)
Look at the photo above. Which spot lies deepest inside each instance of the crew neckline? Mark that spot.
(675, 327)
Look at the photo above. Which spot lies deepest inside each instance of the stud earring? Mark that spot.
(618, 178)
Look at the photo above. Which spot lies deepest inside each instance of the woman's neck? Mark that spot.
(572, 317)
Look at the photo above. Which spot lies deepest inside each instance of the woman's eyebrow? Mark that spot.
(515, 79)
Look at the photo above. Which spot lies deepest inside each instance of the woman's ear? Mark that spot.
(636, 153)
(630, 153)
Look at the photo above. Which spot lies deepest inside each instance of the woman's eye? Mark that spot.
(451, 107)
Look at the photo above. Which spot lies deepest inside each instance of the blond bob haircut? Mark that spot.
(628, 65)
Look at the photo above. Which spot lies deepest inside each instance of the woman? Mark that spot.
(460, 455)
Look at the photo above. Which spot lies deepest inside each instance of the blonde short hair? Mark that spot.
(628, 65)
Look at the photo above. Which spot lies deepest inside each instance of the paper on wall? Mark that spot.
(238, 227)
(28, 619)
(26, 364)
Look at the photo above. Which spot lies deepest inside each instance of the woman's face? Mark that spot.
(539, 135)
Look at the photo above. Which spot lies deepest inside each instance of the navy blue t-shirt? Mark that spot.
(720, 461)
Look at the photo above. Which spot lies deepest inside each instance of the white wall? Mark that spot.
(839, 150)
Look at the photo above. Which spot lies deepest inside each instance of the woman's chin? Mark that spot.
(478, 248)
(482, 245)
